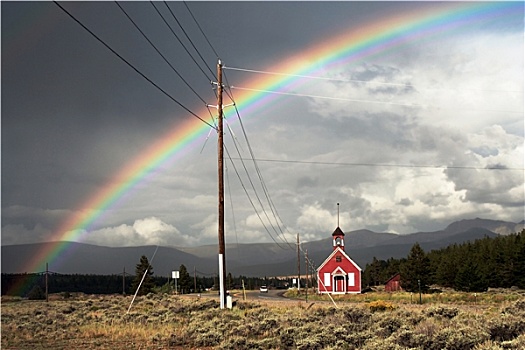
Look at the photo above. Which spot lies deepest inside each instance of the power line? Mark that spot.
(180, 41)
(161, 55)
(496, 167)
(130, 65)
(411, 105)
(200, 28)
(358, 81)
(250, 200)
(233, 211)
(325, 97)
(261, 179)
(263, 187)
(191, 41)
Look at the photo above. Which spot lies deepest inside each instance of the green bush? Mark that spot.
(442, 311)
(506, 327)
(36, 293)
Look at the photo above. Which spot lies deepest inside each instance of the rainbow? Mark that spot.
(346, 48)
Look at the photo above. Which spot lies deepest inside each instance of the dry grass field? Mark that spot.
(377, 321)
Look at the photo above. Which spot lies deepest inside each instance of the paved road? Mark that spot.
(272, 295)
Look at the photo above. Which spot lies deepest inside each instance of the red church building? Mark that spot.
(338, 274)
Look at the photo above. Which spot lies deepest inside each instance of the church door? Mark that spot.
(339, 284)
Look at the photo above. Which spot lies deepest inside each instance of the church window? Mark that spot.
(351, 279)
(338, 258)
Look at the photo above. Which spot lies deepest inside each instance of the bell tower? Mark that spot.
(338, 239)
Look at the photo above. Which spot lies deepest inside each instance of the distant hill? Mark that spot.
(258, 259)
(496, 226)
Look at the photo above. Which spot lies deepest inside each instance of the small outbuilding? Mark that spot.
(338, 274)
(394, 283)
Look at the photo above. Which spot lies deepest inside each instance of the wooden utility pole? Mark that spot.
(306, 265)
(194, 279)
(124, 281)
(47, 289)
(220, 146)
(298, 265)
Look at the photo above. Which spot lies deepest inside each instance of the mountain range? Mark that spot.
(255, 259)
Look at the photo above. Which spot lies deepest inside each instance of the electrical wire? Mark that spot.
(255, 191)
(259, 173)
(250, 200)
(233, 211)
(206, 274)
(200, 28)
(391, 165)
(359, 81)
(326, 97)
(130, 65)
(191, 41)
(158, 51)
(411, 105)
(180, 41)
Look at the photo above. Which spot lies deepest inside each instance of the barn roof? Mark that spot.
(393, 277)
(338, 232)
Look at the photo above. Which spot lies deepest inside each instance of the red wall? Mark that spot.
(347, 266)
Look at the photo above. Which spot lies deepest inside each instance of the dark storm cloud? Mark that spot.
(73, 115)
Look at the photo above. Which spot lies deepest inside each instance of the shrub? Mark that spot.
(287, 337)
(515, 344)
(380, 305)
(310, 342)
(488, 345)
(356, 315)
(442, 311)
(464, 338)
(409, 339)
(36, 293)
(209, 338)
(516, 308)
(388, 326)
(506, 327)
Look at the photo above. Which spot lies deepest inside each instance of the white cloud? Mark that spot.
(148, 231)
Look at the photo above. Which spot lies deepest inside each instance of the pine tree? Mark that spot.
(469, 279)
(36, 293)
(415, 272)
(520, 260)
(148, 284)
(185, 281)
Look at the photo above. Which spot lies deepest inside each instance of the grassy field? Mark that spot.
(376, 320)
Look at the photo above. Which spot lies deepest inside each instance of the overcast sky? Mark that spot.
(401, 139)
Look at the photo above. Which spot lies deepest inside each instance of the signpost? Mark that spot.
(175, 276)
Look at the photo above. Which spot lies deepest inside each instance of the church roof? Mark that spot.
(338, 232)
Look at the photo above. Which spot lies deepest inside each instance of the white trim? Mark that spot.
(338, 272)
(338, 250)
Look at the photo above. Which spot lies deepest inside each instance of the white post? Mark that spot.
(221, 282)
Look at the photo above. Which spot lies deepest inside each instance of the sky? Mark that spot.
(406, 139)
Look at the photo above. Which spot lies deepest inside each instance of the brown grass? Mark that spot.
(174, 322)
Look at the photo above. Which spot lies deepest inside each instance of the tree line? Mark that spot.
(125, 283)
(497, 262)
